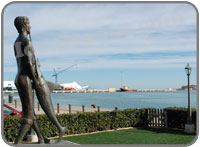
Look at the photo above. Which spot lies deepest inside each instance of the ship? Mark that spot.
(126, 89)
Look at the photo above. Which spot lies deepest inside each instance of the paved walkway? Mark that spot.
(62, 109)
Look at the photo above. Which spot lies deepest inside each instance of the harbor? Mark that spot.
(122, 100)
(74, 87)
(97, 90)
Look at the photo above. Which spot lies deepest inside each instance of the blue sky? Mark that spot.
(148, 45)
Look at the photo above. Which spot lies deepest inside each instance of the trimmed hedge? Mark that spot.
(97, 121)
(81, 122)
(177, 117)
(11, 126)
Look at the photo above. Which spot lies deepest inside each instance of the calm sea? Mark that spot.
(123, 100)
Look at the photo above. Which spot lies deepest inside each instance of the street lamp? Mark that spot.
(189, 127)
(188, 71)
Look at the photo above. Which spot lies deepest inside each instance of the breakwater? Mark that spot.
(97, 91)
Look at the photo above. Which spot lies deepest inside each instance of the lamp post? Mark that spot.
(188, 71)
(189, 127)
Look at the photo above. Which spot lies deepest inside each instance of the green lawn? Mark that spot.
(135, 136)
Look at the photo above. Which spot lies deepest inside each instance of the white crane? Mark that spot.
(57, 73)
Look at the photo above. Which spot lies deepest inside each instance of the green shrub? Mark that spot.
(97, 121)
(177, 117)
(81, 122)
(11, 127)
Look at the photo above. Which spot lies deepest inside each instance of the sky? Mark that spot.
(141, 45)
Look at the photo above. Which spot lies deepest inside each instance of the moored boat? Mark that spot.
(126, 89)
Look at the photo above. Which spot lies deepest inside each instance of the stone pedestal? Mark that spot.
(32, 138)
(189, 128)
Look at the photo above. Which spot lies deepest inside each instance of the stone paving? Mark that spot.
(62, 109)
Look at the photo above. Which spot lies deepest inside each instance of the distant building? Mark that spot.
(170, 89)
(9, 85)
(72, 86)
(112, 89)
(192, 87)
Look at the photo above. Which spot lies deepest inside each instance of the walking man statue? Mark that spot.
(28, 77)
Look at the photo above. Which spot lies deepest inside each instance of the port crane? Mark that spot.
(57, 73)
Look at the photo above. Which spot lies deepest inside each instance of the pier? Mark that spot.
(156, 90)
(66, 91)
(97, 90)
(9, 91)
(80, 91)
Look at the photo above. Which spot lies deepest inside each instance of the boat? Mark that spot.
(126, 89)
(69, 88)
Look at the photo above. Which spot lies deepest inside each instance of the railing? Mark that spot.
(57, 108)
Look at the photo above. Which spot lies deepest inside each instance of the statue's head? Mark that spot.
(22, 24)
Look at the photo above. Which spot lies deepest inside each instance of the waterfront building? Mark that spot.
(192, 87)
(72, 86)
(9, 85)
(112, 90)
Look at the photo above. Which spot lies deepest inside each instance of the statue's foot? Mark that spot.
(44, 140)
(61, 133)
(60, 136)
(41, 141)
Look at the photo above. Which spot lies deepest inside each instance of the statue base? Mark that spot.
(32, 138)
(189, 128)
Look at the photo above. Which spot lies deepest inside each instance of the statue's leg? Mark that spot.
(41, 138)
(25, 126)
(24, 87)
(44, 99)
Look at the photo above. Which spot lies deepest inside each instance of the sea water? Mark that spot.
(124, 100)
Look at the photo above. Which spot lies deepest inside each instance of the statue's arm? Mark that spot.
(30, 61)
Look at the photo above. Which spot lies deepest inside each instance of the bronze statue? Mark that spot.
(28, 77)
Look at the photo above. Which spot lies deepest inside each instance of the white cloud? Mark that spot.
(76, 32)
(110, 63)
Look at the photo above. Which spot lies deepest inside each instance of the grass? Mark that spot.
(135, 136)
